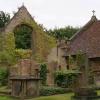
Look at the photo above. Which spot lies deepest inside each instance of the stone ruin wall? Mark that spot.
(61, 60)
(28, 68)
(52, 55)
(25, 67)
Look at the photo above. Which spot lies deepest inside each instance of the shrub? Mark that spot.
(96, 87)
(65, 79)
(43, 73)
(3, 75)
(52, 90)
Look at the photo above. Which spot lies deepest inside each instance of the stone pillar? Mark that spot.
(85, 71)
(50, 77)
(79, 80)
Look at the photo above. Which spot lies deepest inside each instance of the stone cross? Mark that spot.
(85, 71)
(23, 4)
(93, 13)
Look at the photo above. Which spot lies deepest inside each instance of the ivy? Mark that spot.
(3, 75)
(90, 75)
(7, 47)
(43, 73)
(41, 44)
(70, 62)
(70, 80)
(79, 58)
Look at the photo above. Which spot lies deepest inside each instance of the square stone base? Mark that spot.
(85, 94)
(25, 87)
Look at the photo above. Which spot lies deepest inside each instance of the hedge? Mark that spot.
(44, 91)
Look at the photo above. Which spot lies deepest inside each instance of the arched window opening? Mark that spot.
(22, 35)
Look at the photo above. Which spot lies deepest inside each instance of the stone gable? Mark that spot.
(18, 19)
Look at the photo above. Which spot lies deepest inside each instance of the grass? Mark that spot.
(55, 97)
(3, 97)
(66, 96)
(3, 87)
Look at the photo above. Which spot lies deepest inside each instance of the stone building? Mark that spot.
(87, 39)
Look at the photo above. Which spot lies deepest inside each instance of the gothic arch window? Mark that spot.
(23, 35)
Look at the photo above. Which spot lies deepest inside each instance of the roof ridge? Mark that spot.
(84, 27)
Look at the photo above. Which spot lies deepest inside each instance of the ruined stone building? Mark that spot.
(39, 42)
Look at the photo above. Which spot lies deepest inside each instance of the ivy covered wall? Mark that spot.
(41, 43)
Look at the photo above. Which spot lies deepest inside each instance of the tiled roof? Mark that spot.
(86, 39)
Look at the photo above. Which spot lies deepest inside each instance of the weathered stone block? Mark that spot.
(13, 71)
(24, 67)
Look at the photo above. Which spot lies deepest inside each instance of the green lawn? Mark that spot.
(66, 96)
(55, 97)
(3, 97)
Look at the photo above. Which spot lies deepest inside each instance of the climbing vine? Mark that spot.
(70, 62)
(43, 73)
(79, 58)
(7, 48)
(65, 78)
(90, 75)
(41, 44)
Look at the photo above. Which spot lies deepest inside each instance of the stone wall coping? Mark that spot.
(76, 72)
(24, 78)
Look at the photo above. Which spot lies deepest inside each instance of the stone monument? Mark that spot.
(85, 92)
(25, 84)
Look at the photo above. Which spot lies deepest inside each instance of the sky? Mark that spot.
(55, 13)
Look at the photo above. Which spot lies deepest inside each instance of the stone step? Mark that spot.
(7, 92)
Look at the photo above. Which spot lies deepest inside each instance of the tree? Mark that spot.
(62, 32)
(4, 18)
(23, 37)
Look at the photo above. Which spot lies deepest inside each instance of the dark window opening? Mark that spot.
(68, 67)
(22, 35)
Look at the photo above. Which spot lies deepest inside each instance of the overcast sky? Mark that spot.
(56, 13)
